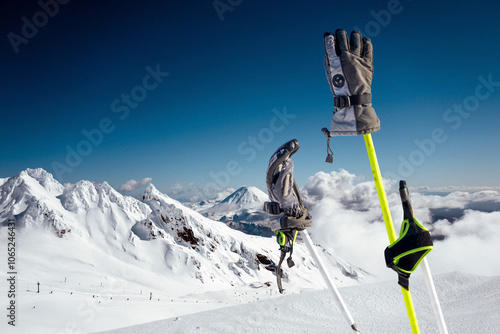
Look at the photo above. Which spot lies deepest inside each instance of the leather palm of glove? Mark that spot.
(349, 71)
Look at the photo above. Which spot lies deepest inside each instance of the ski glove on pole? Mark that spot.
(283, 190)
(349, 71)
(286, 199)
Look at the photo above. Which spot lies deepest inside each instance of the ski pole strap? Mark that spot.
(279, 272)
(405, 254)
(340, 102)
(329, 152)
(286, 239)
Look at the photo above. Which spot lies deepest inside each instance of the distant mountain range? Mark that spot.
(89, 228)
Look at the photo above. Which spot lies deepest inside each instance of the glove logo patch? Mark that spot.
(338, 80)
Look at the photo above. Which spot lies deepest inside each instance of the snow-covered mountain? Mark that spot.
(89, 231)
(245, 197)
(242, 210)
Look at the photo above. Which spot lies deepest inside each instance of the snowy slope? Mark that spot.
(471, 304)
(242, 210)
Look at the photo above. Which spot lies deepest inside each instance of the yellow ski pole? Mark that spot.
(372, 156)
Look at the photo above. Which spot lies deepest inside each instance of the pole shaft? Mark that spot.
(431, 289)
(328, 280)
(372, 156)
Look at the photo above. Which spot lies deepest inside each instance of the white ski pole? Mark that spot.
(431, 289)
(328, 280)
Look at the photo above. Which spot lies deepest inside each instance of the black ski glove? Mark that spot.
(349, 71)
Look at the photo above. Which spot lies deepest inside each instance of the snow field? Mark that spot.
(471, 304)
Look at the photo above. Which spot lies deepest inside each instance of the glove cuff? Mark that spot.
(354, 121)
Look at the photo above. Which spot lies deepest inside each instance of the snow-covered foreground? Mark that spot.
(471, 304)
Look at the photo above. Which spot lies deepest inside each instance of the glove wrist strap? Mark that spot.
(340, 102)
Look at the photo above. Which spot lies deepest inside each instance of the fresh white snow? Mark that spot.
(471, 304)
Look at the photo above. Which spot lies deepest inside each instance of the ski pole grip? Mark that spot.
(326, 132)
(405, 199)
(273, 208)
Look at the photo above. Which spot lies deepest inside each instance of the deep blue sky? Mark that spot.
(225, 78)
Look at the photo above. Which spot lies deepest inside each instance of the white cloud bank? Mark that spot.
(347, 218)
(131, 185)
(472, 244)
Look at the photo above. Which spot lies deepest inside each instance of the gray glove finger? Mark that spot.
(329, 41)
(356, 45)
(342, 41)
(333, 67)
(367, 49)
